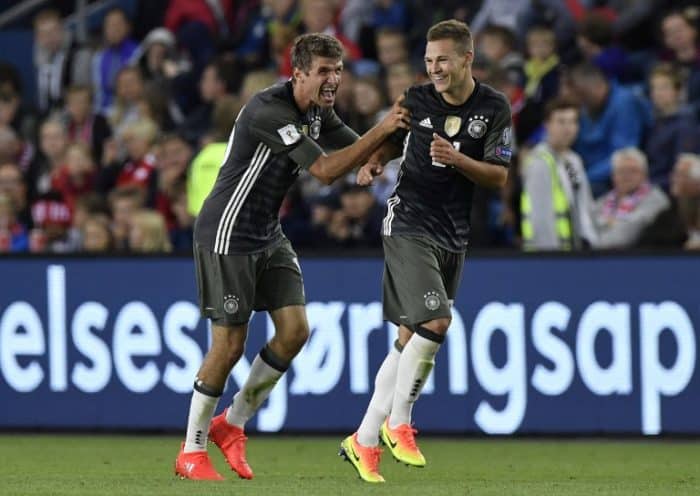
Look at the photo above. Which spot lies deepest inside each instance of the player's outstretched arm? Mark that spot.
(482, 173)
(327, 168)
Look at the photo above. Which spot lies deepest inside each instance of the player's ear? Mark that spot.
(296, 73)
(468, 57)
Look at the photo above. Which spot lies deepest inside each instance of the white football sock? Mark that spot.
(257, 387)
(380, 404)
(417, 360)
(202, 409)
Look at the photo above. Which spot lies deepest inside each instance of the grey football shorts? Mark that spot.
(420, 280)
(230, 287)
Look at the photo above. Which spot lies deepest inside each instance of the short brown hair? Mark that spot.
(308, 46)
(557, 104)
(667, 70)
(79, 88)
(456, 31)
(47, 15)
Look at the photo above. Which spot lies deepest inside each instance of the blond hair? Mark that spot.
(154, 232)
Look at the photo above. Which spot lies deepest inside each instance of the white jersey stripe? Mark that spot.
(239, 205)
(219, 242)
(386, 223)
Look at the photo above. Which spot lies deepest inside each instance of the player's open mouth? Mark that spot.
(439, 80)
(328, 93)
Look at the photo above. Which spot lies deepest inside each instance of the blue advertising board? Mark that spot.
(537, 345)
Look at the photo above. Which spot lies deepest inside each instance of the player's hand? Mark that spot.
(398, 117)
(442, 150)
(367, 172)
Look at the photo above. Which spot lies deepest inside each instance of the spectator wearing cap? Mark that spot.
(58, 59)
(632, 205)
(165, 72)
(118, 52)
(51, 218)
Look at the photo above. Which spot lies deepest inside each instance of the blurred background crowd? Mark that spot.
(112, 132)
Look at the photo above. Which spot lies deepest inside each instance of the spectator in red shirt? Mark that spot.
(137, 169)
(318, 16)
(76, 176)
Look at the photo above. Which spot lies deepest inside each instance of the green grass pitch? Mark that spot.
(143, 465)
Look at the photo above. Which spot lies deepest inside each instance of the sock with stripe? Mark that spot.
(416, 363)
(266, 370)
(380, 404)
(202, 408)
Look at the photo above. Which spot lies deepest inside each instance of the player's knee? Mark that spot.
(298, 337)
(438, 326)
(292, 339)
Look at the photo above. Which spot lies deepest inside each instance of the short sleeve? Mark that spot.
(498, 141)
(278, 127)
(335, 134)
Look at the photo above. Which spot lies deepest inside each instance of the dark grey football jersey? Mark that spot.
(434, 200)
(271, 141)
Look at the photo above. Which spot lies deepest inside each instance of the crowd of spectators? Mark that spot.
(124, 139)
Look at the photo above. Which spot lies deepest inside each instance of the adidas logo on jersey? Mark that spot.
(426, 123)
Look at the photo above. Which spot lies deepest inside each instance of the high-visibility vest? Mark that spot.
(560, 204)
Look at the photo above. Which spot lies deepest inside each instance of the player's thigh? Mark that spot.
(226, 286)
(280, 283)
(413, 289)
(451, 267)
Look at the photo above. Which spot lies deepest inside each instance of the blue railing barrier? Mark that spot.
(537, 345)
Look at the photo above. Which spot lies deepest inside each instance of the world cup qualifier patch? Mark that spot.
(432, 300)
(230, 304)
(503, 149)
